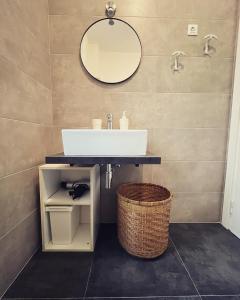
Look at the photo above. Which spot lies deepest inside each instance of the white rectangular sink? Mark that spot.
(105, 142)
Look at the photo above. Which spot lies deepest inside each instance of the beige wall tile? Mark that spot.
(152, 8)
(35, 16)
(189, 207)
(19, 197)
(189, 144)
(4, 148)
(190, 177)
(57, 140)
(21, 47)
(23, 145)
(16, 248)
(193, 45)
(124, 7)
(147, 174)
(200, 75)
(192, 110)
(179, 8)
(68, 73)
(21, 97)
(215, 9)
(31, 14)
(75, 119)
(155, 34)
(71, 7)
(160, 110)
(164, 36)
(66, 32)
(204, 9)
(71, 103)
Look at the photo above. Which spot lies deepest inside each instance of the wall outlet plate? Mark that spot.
(192, 29)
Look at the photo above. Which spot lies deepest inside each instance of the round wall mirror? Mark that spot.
(110, 50)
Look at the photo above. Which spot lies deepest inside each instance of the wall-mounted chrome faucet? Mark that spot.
(177, 66)
(109, 121)
(208, 49)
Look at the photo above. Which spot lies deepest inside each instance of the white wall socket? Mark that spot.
(192, 29)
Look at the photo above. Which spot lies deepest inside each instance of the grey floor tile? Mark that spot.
(221, 297)
(212, 256)
(117, 274)
(53, 275)
(150, 298)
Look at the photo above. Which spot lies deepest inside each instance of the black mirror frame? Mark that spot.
(85, 66)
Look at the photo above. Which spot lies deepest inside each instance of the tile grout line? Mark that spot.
(181, 260)
(18, 223)
(141, 297)
(18, 172)
(23, 121)
(89, 275)
(145, 297)
(96, 15)
(164, 55)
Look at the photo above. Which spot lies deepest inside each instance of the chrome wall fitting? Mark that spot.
(110, 9)
(208, 49)
(177, 66)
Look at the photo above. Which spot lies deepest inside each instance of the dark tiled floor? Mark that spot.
(116, 274)
(53, 275)
(202, 259)
(212, 255)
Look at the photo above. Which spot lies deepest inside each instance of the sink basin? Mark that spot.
(104, 142)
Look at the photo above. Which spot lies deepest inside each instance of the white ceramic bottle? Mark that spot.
(124, 122)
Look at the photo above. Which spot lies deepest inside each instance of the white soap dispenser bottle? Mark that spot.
(124, 122)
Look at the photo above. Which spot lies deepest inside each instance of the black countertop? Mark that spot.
(88, 160)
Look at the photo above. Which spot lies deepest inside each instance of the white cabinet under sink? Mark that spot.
(104, 142)
(87, 206)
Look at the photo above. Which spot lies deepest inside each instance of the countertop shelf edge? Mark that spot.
(60, 158)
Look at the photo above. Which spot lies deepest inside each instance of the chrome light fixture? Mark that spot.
(110, 9)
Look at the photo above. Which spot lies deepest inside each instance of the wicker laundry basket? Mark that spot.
(143, 219)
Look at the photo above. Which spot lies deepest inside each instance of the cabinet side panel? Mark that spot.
(95, 204)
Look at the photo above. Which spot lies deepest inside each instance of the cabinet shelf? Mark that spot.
(62, 197)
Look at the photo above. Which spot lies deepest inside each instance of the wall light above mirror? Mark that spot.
(110, 50)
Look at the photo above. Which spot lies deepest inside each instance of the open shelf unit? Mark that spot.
(51, 194)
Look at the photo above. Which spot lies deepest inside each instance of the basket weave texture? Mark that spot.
(143, 219)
